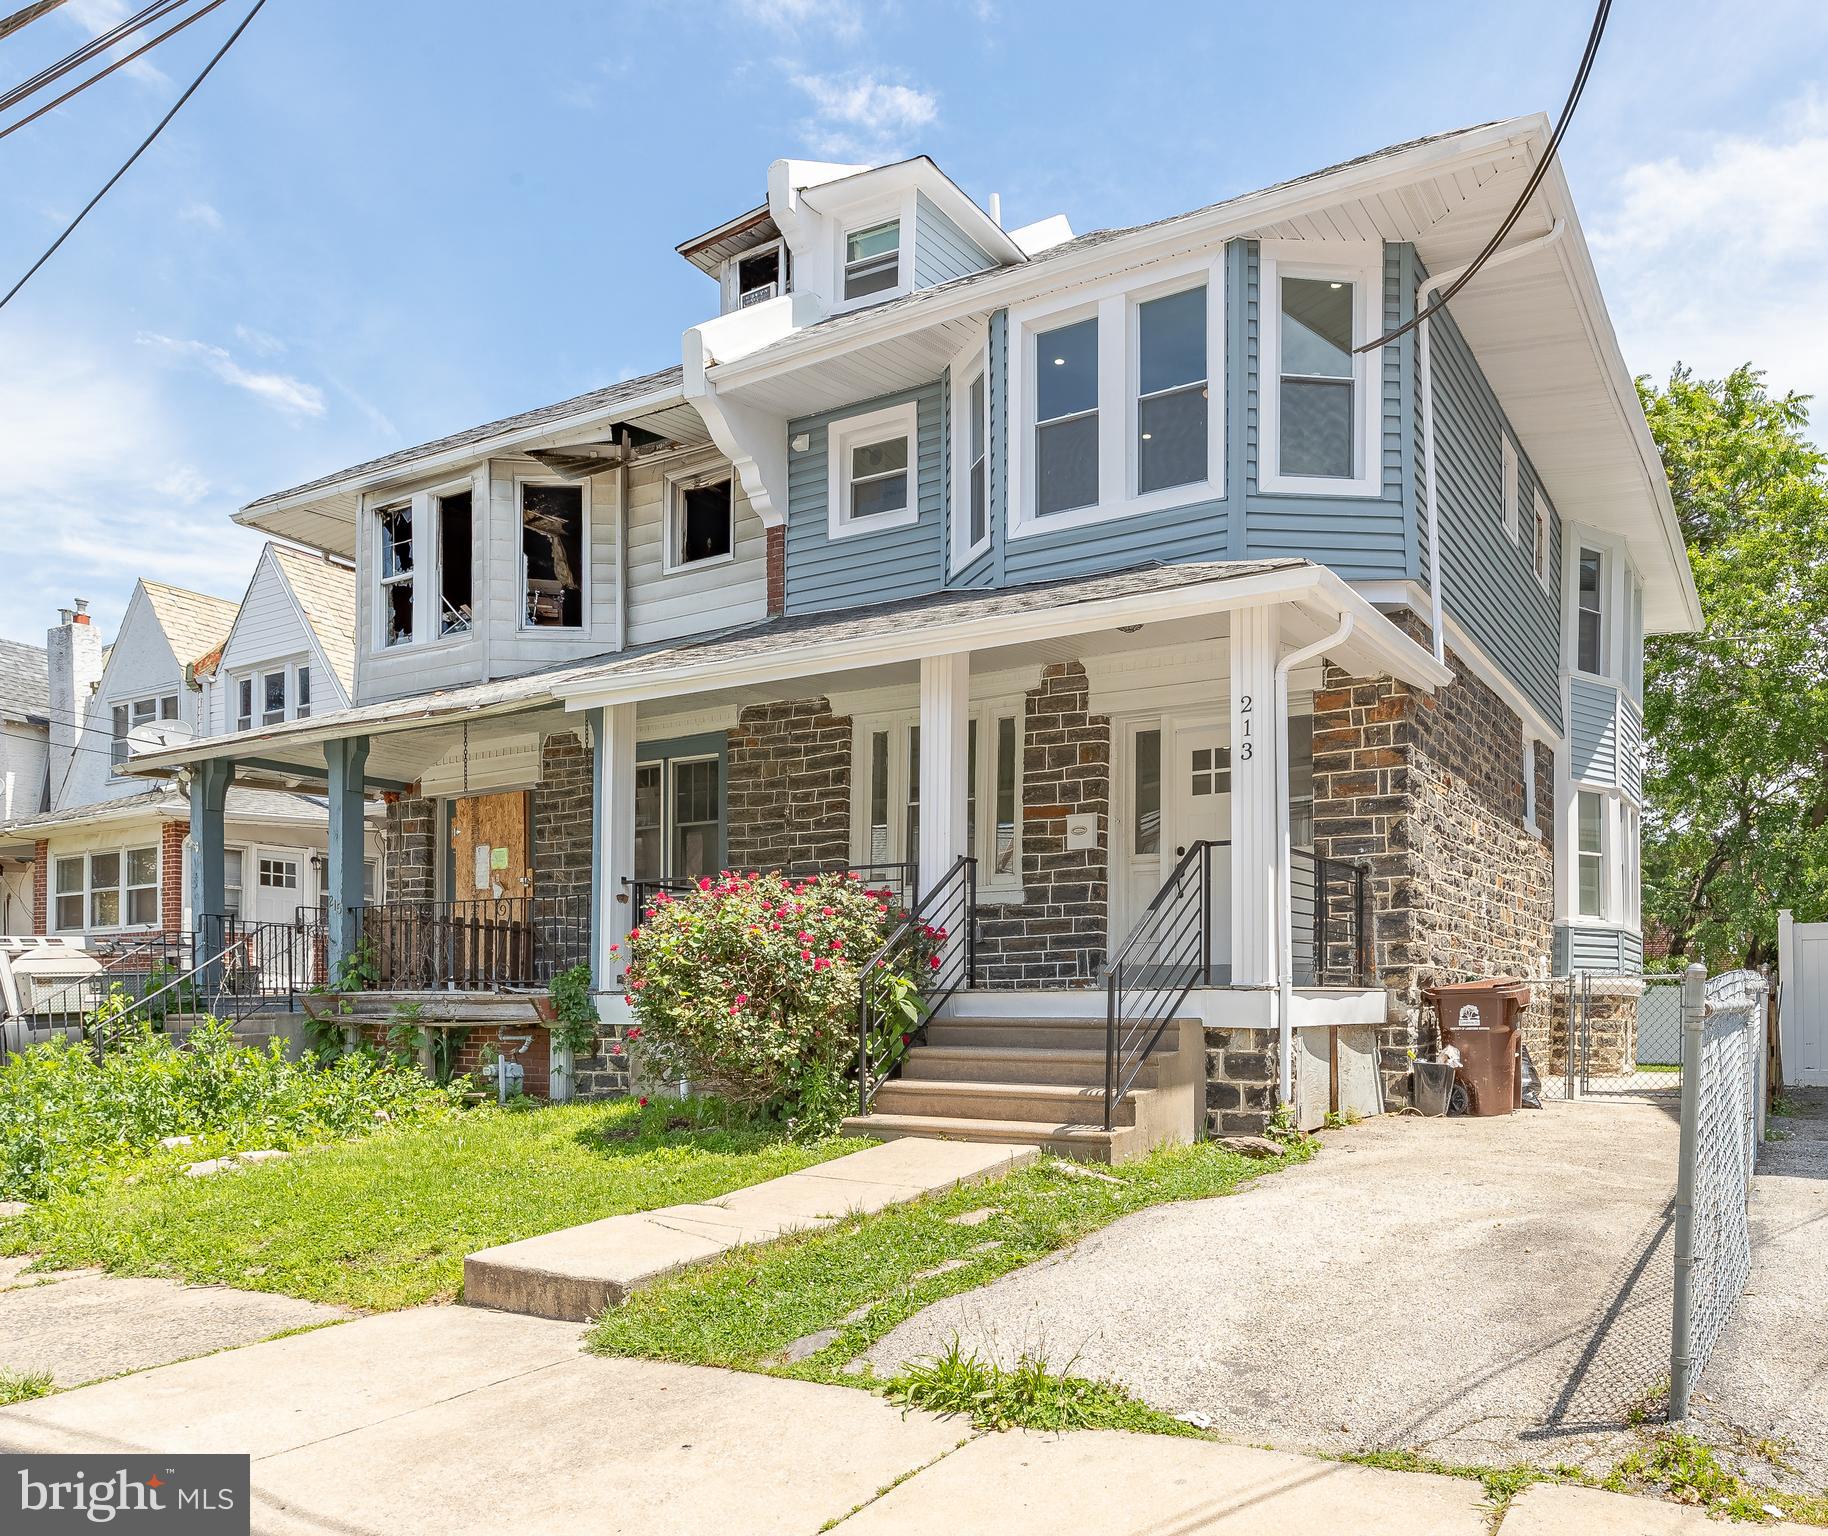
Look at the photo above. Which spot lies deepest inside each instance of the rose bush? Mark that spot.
(750, 983)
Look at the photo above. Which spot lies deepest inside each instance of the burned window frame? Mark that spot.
(679, 484)
(386, 583)
(449, 627)
(548, 482)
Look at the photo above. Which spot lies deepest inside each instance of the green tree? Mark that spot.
(1736, 716)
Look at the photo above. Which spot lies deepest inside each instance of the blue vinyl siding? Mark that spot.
(1362, 538)
(1604, 950)
(1593, 745)
(941, 250)
(1489, 583)
(1631, 748)
(865, 567)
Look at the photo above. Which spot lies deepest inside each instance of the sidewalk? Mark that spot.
(454, 1420)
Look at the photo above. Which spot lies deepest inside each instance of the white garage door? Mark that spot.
(1804, 1015)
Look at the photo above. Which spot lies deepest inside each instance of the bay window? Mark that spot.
(109, 888)
(273, 697)
(1590, 809)
(1171, 390)
(1590, 631)
(1316, 378)
(1066, 418)
(977, 438)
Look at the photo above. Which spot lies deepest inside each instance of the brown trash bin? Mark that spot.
(1483, 1020)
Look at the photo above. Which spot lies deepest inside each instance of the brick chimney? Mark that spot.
(74, 654)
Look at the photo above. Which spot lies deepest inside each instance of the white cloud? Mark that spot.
(842, 19)
(98, 16)
(283, 392)
(262, 342)
(1714, 258)
(862, 117)
(203, 214)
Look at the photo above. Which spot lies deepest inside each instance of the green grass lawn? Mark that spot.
(747, 1307)
(385, 1221)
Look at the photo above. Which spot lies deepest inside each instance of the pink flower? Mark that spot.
(837, 943)
(704, 883)
(827, 912)
(806, 954)
(642, 1102)
(634, 934)
(741, 998)
(821, 963)
(634, 1033)
(933, 962)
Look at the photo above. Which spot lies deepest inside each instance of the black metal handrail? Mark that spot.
(1166, 954)
(923, 960)
(474, 945)
(1332, 937)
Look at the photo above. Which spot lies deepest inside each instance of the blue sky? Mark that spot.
(380, 222)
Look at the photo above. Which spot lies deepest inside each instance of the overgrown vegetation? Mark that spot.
(1026, 1395)
(23, 1386)
(862, 1277)
(385, 1221)
(66, 1118)
(1687, 1470)
(575, 1023)
(1501, 1484)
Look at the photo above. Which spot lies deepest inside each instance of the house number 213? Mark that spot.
(1245, 745)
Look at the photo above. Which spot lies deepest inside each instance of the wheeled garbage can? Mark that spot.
(1483, 1020)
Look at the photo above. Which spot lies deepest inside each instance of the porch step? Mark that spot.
(1046, 1103)
(1062, 1034)
(1088, 1143)
(977, 1063)
(517, 1008)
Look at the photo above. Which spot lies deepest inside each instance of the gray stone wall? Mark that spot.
(1056, 937)
(409, 839)
(789, 786)
(1240, 1081)
(562, 826)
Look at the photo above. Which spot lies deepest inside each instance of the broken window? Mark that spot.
(552, 547)
(394, 526)
(454, 580)
(758, 277)
(701, 521)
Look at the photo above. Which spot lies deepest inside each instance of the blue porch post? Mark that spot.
(347, 761)
(209, 787)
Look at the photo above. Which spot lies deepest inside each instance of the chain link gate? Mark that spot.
(1612, 1037)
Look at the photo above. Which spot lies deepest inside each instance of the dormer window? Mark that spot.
(758, 277)
(872, 260)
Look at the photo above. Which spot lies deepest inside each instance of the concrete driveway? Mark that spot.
(1489, 1291)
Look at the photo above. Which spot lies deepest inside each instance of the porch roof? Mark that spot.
(780, 650)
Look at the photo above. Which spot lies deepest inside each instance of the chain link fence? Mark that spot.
(1723, 1052)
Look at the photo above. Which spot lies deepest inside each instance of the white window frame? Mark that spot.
(521, 482)
(243, 686)
(380, 582)
(123, 889)
(1364, 269)
(855, 431)
(428, 568)
(679, 481)
(732, 271)
(436, 633)
(968, 367)
(899, 210)
(1542, 536)
(1507, 472)
(1114, 303)
(265, 675)
(302, 680)
(1603, 855)
(1582, 548)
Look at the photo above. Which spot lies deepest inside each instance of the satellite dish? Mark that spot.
(153, 735)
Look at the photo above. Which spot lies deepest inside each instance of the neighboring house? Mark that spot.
(25, 701)
(111, 854)
(1130, 566)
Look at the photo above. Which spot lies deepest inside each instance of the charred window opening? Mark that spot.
(702, 530)
(454, 567)
(552, 546)
(394, 526)
(758, 277)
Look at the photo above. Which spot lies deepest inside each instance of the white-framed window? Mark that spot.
(678, 826)
(278, 874)
(1542, 535)
(756, 276)
(555, 533)
(273, 697)
(1507, 474)
(1630, 868)
(1320, 402)
(1116, 399)
(424, 566)
(244, 703)
(456, 562)
(886, 793)
(232, 877)
(394, 554)
(872, 260)
(701, 519)
(871, 463)
(301, 693)
(137, 712)
(108, 888)
(970, 458)
(1590, 612)
(1590, 864)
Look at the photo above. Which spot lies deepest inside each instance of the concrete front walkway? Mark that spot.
(573, 1274)
(449, 1421)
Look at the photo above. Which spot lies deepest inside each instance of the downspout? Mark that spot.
(1425, 382)
(623, 449)
(1285, 895)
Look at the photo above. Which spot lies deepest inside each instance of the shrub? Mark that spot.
(749, 983)
(64, 1117)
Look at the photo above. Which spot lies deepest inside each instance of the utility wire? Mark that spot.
(26, 15)
(102, 74)
(1529, 189)
(92, 48)
(145, 144)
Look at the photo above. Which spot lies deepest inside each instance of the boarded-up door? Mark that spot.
(491, 847)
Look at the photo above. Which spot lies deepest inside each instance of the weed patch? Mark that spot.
(23, 1386)
(1026, 1395)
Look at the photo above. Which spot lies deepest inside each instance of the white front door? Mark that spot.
(282, 879)
(1803, 1019)
(1200, 797)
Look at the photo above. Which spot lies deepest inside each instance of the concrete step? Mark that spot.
(1014, 1064)
(1051, 1034)
(1046, 1103)
(1089, 1143)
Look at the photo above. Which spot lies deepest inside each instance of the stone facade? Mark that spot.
(562, 821)
(409, 838)
(1427, 790)
(1240, 1081)
(1056, 936)
(789, 793)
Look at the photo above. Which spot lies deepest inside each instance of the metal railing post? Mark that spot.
(1681, 1329)
(971, 925)
(1113, 987)
(1205, 914)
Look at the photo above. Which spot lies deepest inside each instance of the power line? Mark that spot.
(102, 74)
(99, 44)
(26, 15)
(1529, 189)
(145, 144)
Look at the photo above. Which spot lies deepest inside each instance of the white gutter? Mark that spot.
(1285, 923)
(622, 583)
(1425, 383)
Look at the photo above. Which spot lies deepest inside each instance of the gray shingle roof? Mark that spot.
(194, 622)
(326, 593)
(171, 803)
(577, 405)
(25, 684)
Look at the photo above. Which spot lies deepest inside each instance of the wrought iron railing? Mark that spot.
(1149, 975)
(1329, 903)
(473, 946)
(927, 956)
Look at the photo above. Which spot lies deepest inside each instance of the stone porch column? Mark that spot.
(945, 713)
(209, 787)
(347, 761)
(612, 804)
(1254, 849)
